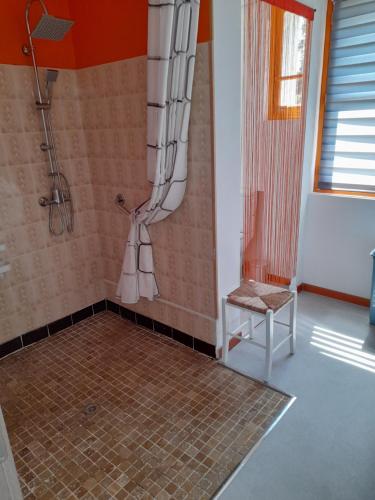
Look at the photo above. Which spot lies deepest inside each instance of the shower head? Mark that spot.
(52, 75)
(51, 28)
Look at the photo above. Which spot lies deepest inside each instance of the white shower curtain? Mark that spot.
(172, 43)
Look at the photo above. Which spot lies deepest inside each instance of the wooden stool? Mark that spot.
(265, 300)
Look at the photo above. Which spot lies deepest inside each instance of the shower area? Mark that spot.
(74, 153)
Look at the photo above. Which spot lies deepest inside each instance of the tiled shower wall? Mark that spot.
(100, 121)
(113, 101)
(50, 276)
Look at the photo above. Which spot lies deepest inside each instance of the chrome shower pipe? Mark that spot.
(60, 187)
(36, 73)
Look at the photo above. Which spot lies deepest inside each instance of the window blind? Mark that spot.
(348, 142)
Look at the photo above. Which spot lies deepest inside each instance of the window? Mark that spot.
(287, 62)
(345, 162)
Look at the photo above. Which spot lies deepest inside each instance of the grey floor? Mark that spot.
(324, 446)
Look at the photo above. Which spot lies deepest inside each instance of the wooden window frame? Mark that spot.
(322, 108)
(275, 110)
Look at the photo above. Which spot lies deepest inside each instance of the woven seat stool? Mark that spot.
(260, 299)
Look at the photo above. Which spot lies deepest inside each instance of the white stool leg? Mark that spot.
(251, 327)
(293, 323)
(269, 344)
(225, 331)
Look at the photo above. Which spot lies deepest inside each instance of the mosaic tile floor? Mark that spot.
(106, 410)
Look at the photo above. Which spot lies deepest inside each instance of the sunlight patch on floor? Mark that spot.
(342, 348)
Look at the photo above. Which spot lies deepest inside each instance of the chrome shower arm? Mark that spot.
(27, 13)
(32, 50)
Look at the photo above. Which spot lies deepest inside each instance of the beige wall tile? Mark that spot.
(115, 124)
(99, 115)
(47, 277)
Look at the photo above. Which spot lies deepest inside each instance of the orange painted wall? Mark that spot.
(205, 22)
(109, 31)
(117, 29)
(13, 35)
(103, 31)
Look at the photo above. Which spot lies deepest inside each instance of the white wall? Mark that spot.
(227, 60)
(336, 233)
(339, 235)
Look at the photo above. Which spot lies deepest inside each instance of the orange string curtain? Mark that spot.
(276, 62)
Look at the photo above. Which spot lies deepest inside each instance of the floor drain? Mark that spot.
(89, 409)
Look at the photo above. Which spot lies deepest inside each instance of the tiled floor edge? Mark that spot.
(259, 380)
(45, 331)
(232, 476)
(157, 327)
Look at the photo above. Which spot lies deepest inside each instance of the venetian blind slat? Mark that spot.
(348, 146)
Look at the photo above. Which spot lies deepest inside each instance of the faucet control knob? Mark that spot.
(43, 201)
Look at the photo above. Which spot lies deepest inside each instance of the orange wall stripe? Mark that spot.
(205, 22)
(103, 32)
(118, 29)
(109, 31)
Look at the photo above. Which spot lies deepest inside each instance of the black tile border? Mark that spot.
(82, 314)
(183, 338)
(10, 346)
(99, 307)
(29, 338)
(127, 314)
(160, 328)
(59, 325)
(113, 307)
(34, 336)
(144, 321)
(163, 329)
(204, 348)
